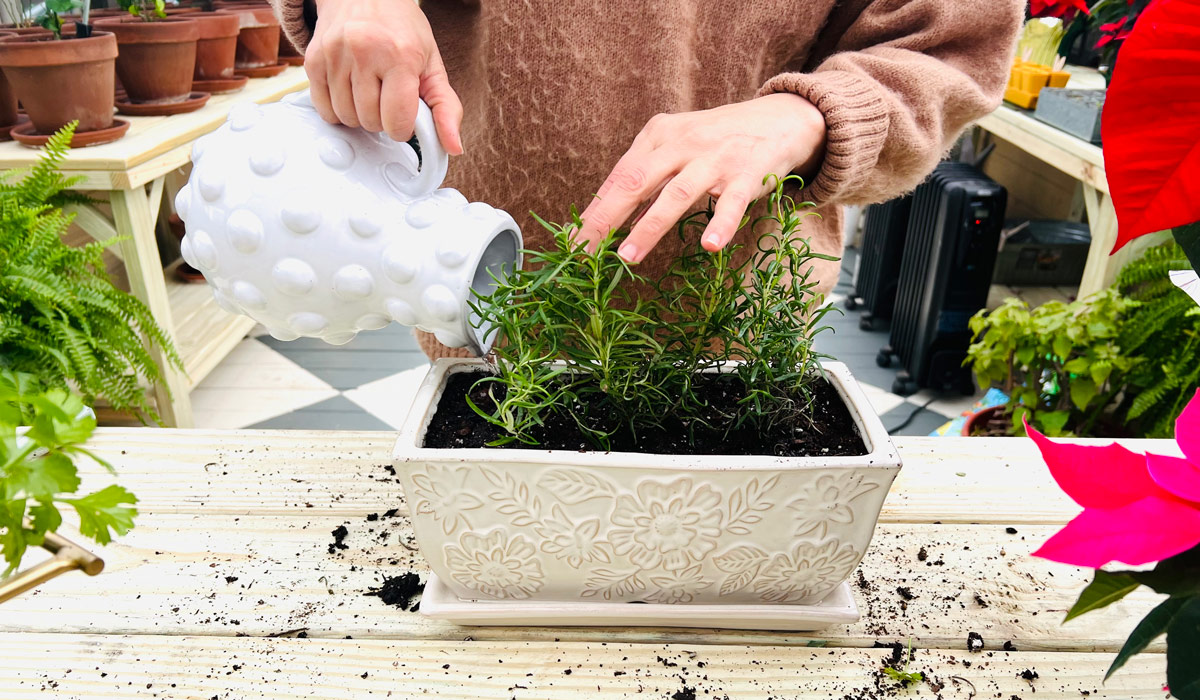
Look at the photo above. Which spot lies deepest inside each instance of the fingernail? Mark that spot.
(628, 252)
(712, 242)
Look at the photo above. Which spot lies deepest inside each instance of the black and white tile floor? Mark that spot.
(368, 383)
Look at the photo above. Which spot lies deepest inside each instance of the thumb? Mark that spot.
(443, 101)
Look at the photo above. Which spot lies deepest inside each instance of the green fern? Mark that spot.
(61, 319)
(1162, 330)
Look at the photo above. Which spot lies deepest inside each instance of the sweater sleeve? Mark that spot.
(298, 18)
(897, 81)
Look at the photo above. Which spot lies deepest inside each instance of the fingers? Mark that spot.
(676, 198)
(447, 108)
(398, 105)
(365, 89)
(315, 66)
(341, 91)
(727, 214)
(632, 181)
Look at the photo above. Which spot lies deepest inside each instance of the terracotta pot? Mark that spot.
(217, 46)
(59, 81)
(8, 98)
(258, 40)
(156, 59)
(980, 419)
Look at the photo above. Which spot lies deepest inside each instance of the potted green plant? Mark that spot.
(1161, 330)
(1060, 364)
(41, 432)
(687, 446)
(157, 59)
(61, 320)
(60, 77)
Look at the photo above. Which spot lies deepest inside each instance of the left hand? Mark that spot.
(725, 152)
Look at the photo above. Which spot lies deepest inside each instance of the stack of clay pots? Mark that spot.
(163, 66)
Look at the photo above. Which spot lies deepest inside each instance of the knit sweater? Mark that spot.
(554, 91)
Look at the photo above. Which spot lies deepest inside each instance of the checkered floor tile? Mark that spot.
(368, 384)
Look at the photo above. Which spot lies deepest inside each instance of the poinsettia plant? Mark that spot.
(1140, 509)
(1151, 126)
(1115, 19)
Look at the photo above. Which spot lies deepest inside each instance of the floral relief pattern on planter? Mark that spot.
(662, 538)
(828, 501)
(495, 565)
(443, 494)
(671, 524)
(808, 569)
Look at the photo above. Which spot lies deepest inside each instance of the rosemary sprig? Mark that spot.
(578, 341)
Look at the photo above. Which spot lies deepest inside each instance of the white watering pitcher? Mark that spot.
(323, 231)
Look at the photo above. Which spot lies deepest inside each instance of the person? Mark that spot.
(638, 110)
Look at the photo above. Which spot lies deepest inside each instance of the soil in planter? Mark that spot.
(832, 432)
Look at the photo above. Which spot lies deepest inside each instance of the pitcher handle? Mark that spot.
(434, 159)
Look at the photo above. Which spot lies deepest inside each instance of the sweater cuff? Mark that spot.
(856, 125)
(298, 17)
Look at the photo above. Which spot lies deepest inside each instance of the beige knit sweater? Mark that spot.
(554, 91)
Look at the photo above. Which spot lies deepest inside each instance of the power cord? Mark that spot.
(911, 417)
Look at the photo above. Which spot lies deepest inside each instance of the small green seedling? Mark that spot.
(902, 675)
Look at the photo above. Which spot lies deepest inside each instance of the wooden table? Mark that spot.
(230, 565)
(134, 171)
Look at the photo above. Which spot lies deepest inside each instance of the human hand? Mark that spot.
(368, 63)
(725, 152)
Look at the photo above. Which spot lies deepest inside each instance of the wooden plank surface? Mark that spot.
(103, 666)
(149, 137)
(259, 506)
(232, 550)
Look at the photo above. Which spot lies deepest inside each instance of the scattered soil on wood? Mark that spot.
(400, 591)
(828, 431)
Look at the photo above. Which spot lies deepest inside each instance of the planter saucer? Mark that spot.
(5, 131)
(24, 134)
(292, 60)
(195, 101)
(221, 86)
(263, 71)
(440, 603)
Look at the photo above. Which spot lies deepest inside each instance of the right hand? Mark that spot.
(368, 63)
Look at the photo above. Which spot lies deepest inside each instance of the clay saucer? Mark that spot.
(24, 134)
(4, 130)
(263, 72)
(292, 60)
(221, 86)
(194, 102)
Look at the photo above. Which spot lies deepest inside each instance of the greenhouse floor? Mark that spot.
(368, 383)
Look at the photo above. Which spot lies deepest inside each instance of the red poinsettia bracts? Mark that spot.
(1151, 122)
(1066, 9)
(1137, 509)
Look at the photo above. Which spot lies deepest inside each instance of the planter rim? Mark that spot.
(881, 452)
(259, 15)
(28, 50)
(216, 25)
(171, 30)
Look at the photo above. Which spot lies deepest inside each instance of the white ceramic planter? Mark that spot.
(323, 231)
(623, 527)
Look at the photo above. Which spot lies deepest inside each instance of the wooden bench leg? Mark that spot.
(134, 214)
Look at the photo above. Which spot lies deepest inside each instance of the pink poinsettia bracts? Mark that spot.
(1137, 509)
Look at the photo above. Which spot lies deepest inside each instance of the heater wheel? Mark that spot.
(866, 322)
(851, 303)
(904, 387)
(883, 358)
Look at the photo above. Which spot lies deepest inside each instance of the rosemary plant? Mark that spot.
(584, 335)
